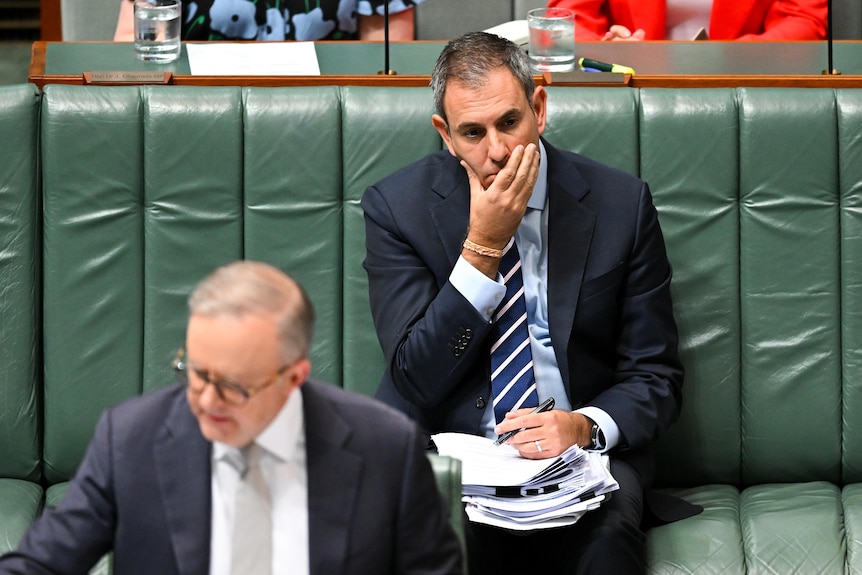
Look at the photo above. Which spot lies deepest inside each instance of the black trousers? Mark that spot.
(607, 540)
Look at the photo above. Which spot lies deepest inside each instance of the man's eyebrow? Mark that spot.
(468, 126)
(516, 112)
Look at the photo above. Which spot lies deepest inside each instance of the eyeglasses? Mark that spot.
(228, 391)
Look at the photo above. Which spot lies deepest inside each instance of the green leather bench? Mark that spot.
(117, 200)
(20, 403)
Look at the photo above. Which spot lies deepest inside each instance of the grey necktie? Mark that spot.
(251, 551)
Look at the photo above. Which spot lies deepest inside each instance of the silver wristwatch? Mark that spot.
(597, 438)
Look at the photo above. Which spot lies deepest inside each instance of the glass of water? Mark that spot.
(157, 30)
(552, 39)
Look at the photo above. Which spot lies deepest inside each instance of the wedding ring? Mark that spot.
(538, 446)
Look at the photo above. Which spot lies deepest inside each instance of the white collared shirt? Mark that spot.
(285, 470)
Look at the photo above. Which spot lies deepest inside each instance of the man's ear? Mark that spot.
(443, 129)
(299, 372)
(540, 108)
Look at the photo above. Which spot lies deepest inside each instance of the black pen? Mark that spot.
(546, 405)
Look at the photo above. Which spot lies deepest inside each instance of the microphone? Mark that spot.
(830, 71)
(386, 70)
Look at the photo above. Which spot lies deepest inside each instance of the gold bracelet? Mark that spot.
(482, 250)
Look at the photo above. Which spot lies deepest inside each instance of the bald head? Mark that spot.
(259, 289)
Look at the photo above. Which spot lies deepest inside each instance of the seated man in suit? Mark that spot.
(504, 221)
(249, 466)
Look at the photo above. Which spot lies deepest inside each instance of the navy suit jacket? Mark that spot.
(143, 491)
(610, 314)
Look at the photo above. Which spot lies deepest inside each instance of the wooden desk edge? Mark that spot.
(38, 76)
(37, 63)
(746, 81)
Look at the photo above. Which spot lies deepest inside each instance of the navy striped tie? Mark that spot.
(513, 384)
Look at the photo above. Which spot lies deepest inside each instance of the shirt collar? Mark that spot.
(540, 189)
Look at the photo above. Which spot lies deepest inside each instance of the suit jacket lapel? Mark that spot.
(570, 232)
(183, 473)
(333, 478)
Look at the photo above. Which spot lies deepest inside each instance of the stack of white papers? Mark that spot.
(503, 489)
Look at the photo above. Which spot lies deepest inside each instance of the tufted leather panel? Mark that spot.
(92, 148)
(707, 544)
(20, 503)
(690, 158)
(293, 213)
(758, 192)
(19, 292)
(149, 191)
(791, 368)
(383, 129)
(849, 117)
(602, 125)
(20, 405)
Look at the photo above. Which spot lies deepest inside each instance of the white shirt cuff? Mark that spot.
(484, 293)
(606, 424)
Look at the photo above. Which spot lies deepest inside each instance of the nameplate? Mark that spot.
(578, 76)
(129, 77)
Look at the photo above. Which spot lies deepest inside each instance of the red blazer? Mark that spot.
(730, 19)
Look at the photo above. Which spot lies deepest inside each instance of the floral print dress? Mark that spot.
(280, 19)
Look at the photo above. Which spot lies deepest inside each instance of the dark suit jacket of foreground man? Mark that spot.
(143, 490)
(609, 304)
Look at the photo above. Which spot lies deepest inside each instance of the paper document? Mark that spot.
(253, 59)
(501, 488)
(483, 463)
(517, 31)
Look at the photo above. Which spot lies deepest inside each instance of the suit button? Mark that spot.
(480, 402)
(459, 343)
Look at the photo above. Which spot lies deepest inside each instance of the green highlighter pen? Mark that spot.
(605, 67)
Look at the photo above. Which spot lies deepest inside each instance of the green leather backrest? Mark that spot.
(849, 220)
(293, 202)
(690, 155)
(383, 130)
(790, 281)
(684, 142)
(758, 193)
(19, 391)
(146, 191)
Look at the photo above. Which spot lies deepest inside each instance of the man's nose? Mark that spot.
(498, 151)
(209, 396)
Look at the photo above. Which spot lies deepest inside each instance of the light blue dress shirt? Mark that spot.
(485, 294)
